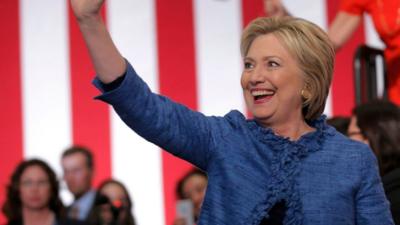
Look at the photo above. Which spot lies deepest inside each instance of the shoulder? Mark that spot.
(357, 7)
(344, 153)
(340, 144)
(230, 122)
(16, 222)
(70, 222)
(235, 118)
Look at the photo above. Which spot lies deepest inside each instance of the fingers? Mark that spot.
(274, 8)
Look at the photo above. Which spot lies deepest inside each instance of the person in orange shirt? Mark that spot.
(386, 17)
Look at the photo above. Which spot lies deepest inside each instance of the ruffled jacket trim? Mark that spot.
(285, 168)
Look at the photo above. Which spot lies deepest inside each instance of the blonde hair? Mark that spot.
(312, 49)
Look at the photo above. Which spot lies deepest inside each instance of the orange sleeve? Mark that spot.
(357, 7)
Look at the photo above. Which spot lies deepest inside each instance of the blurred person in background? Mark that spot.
(193, 187)
(377, 123)
(78, 167)
(33, 196)
(340, 123)
(113, 205)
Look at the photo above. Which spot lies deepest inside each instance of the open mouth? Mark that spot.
(262, 95)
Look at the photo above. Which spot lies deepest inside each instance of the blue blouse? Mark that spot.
(324, 177)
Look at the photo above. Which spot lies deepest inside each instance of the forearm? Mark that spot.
(107, 61)
(342, 28)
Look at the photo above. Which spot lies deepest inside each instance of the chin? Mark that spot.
(36, 205)
(261, 115)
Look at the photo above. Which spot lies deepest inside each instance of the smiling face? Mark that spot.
(272, 82)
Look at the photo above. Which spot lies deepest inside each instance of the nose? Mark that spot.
(257, 76)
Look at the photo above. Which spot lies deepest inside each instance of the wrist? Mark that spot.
(89, 20)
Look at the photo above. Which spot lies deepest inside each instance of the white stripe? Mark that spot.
(217, 33)
(373, 40)
(45, 79)
(372, 37)
(136, 162)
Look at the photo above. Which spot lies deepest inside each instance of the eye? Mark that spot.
(248, 65)
(272, 63)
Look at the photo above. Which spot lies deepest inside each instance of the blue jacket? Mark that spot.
(324, 178)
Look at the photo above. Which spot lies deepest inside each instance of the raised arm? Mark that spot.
(275, 8)
(108, 62)
(340, 30)
(342, 27)
(174, 127)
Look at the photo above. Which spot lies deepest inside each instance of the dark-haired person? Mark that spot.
(113, 205)
(340, 123)
(285, 166)
(33, 196)
(377, 123)
(192, 186)
(77, 163)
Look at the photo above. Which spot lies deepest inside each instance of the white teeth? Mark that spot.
(261, 92)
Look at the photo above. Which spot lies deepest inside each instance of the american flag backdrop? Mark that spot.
(185, 49)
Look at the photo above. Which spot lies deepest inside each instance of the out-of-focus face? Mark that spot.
(116, 194)
(77, 174)
(34, 188)
(354, 132)
(194, 188)
(272, 82)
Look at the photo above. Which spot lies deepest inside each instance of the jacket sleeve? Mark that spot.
(179, 130)
(355, 7)
(372, 206)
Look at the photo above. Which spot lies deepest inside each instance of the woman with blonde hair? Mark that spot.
(285, 166)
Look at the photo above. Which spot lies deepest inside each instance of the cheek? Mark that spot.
(23, 193)
(243, 80)
(45, 192)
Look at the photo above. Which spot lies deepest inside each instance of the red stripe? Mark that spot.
(10, 92)
(343, 82)
(251, 9)
(177, 77)
(90, 119)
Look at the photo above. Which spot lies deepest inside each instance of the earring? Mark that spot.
(305, 94)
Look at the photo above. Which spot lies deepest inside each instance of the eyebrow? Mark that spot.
(265, 58)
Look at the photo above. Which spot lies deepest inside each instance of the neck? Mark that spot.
(43, 216)
(79, 195)
(293, 131)
(292, 128)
